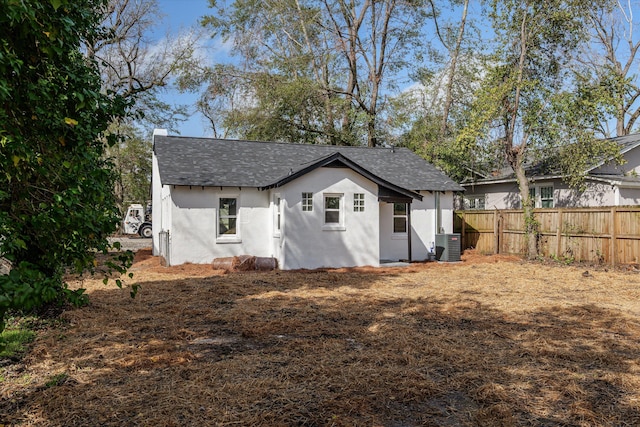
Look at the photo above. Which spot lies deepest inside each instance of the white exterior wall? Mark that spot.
(194, 222)
(629, 196)
(156, 197)
(308, 242)
(507, 195)
(394, 247)
(190, 214)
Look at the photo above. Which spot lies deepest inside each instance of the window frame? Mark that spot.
(307, 202)
(471, 203)
(546, 199)
(397, 216)
(277, 214)
(228, 237)
(358, 202)
(333, 226)
(535, 192)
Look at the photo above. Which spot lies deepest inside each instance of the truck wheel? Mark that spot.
(145, 231)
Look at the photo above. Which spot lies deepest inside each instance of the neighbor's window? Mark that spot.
(358, 202)
(474, 202)
(546, 197)
(307, 202)
(541, 197)
(399, 217)
(532, 196)
(332, 208)
(227, 216)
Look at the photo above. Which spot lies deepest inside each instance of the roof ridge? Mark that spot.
(255, 141)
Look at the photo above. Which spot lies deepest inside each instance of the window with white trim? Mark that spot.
(277, 213)
(307, 202)
(399, 218)
(541, 196)
(358, 202)
(333, 209)
(474, 202)
(227, 216)
(546, 197)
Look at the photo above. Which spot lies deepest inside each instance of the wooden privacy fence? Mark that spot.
(608, 235)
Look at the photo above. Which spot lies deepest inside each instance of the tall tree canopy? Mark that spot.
(138, 61)
(527, 103)
(312, 70)
(609, 70)
(56, 200)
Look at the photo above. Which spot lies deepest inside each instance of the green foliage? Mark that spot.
(56, 380)
(311, 71)
(56, 201)
(14, 339)
(131, 157)
(526, 103)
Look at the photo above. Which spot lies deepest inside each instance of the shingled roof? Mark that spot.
(236, 163)
(548, 167)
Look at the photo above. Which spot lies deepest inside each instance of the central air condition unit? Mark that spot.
(448, 247)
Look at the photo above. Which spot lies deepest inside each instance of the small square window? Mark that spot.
(358, 202)
(307, 202)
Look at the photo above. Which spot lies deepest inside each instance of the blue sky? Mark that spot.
(180, 15)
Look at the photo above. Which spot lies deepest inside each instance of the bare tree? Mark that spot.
(335, 55)
(133, 64)
(614, 62)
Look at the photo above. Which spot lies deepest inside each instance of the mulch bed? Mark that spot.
(491, 341)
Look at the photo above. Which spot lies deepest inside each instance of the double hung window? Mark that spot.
(399, 218)
(227, 216)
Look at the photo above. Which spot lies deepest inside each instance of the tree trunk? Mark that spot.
(531, 226)
(452, 71)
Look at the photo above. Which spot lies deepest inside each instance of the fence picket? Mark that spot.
(608, 235)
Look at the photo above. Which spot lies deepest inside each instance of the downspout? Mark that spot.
(436, 196)
(409, 230)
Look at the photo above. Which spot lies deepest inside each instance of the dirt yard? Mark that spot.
(486, 342)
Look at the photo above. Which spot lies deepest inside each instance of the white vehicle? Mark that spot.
(137, 221)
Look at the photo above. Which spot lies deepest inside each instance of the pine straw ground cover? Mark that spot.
(486, 342)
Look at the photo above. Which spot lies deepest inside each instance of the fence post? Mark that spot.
(614, 237)
(559, 234)
(462, 231)
(496, 232)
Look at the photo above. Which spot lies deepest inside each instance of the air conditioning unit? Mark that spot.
(448, 247)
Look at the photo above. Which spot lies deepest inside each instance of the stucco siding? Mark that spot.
(595, 194)
(507, 195)
(629, 196)
(194, 222)
(309, 242)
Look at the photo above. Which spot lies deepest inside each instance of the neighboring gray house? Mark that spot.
(607, 184)
(308, 206)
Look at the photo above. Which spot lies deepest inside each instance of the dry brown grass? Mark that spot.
(487, 342)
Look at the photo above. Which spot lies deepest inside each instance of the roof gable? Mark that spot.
(237, 163)
(338, 158)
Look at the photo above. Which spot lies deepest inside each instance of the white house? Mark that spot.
(308, 206)
(606, 184)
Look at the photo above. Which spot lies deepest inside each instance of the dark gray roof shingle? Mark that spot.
(237, 163)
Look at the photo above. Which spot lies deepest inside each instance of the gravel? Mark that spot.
(133, 243)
